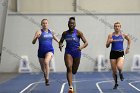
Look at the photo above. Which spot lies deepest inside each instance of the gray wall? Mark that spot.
(20, 29)
(102, 6)
(3, 13)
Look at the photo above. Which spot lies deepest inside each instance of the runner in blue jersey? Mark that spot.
(45, 50)
(117, 51)
(73, 49)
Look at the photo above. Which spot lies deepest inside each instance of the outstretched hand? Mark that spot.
(111, 40)
(38, 35)
(60, 47)
(79, 48)
(126, 51)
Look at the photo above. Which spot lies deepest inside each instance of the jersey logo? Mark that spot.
(47, 36)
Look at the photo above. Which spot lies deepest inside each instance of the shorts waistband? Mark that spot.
(118, 50)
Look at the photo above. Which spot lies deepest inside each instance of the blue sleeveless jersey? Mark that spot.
(45, 41)
(117, 45)
(72, 40)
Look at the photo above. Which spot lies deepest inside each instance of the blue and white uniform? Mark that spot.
(118, 44)
(45, 43)
(72, 44)
(117, 49)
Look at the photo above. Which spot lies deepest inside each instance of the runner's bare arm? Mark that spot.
(83, 39)
(61, 41)
(37, 35)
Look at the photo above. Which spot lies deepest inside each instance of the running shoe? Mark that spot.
(121, 77)
(115, 86)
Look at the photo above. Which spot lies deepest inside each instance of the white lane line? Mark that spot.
(97, 84)
(133, 85)
(22, 91)
(63, 85)
(36, 84)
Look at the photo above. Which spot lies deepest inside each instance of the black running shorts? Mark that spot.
(116, 54)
